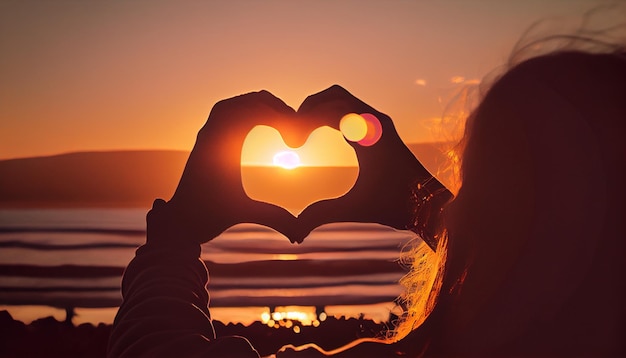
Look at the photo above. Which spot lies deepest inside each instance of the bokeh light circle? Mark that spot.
(353, 127)
(374, 130)
(364, 129)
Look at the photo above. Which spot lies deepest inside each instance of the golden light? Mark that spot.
(286, 159)
(265, 317)
(325, 147)
(303, 317)
(288, 316)
(353, 127)
(364, 128)
(324, 167)
(457, 79)
(323, 316)
(285, 257)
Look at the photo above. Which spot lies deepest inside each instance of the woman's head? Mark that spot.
(539, 166)
(541, 156)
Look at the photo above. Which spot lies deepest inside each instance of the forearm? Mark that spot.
(165, 306)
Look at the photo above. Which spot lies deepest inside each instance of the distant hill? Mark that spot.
(91, 179)
(109, 179)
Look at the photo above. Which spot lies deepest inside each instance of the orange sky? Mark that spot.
(144, 74)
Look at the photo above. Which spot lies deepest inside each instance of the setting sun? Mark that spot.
(287, 159)
(325, 147)
(324, 167)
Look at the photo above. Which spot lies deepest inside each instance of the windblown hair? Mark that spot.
(427, 268)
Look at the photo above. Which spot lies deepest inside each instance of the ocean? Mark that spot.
(51, 259)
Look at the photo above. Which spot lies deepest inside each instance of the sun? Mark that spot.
(286, 159)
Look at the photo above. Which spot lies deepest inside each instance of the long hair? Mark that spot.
(425, 278)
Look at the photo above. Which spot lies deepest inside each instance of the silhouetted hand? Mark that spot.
(388, 170)
(210, 197)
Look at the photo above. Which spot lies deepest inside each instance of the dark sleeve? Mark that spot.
(165, 307)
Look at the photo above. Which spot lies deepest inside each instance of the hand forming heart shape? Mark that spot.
(210, 197)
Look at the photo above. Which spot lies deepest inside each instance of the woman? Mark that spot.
(533, 260)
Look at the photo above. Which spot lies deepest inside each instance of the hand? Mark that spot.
(210, 198)
(388, 171)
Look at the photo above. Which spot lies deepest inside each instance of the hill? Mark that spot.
(91, 179)
(109, 179)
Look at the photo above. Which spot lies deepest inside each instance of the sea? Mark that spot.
(57, 259)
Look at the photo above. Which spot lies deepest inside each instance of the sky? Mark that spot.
(144, 74)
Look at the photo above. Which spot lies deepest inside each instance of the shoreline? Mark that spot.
(377, 312)
(63, 338)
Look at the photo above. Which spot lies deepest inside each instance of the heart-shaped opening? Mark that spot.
(324, 167)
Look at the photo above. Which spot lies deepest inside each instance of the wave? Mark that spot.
(68, 230)
(76, 258)
(305, 283)
(270, 268)
(73, 271)
(236, 285)
(45, 247)
(241, 249)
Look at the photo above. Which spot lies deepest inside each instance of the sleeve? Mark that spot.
(165, 312)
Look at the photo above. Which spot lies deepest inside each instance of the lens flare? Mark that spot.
(364, 129)
(374, 130)
(286, 159)
(353, 127)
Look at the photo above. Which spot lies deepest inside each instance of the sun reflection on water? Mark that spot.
(293, 317)
(285, 257)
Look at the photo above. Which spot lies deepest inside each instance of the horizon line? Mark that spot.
(116, 150)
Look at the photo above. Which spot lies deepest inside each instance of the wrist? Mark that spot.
(165, 226)
(428, 198)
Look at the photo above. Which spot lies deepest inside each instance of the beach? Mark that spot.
(337, 286)
(49, 337)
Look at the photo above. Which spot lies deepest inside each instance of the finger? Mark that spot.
(345, 209)
(333, 100)
(219, 143)
(275, 217)
(381, 195)
(331, 105)
(387, 164)
(238, 115)
(248, 110)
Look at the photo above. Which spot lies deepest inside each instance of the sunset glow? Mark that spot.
(325, 147)
(325, 167)
(272, 158)
(292, 316)
(85, 76)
